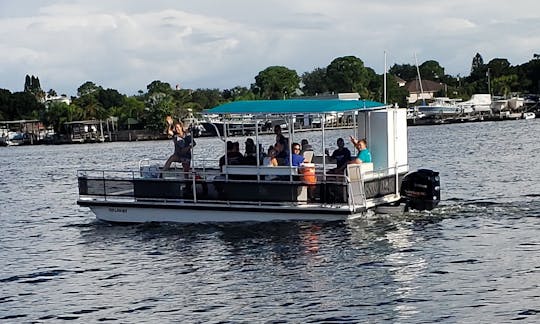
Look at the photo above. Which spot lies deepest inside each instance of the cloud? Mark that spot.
(126, 44)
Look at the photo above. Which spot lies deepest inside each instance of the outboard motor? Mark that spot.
(421, 190)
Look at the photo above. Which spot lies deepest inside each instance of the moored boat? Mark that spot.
(528, 115)
(311, 191)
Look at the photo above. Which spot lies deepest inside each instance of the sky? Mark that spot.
(127, 44)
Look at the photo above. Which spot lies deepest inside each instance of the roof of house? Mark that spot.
(427, 85)
(398, 79)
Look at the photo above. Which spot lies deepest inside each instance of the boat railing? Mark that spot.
(239, 185)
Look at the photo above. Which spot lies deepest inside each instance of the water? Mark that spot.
(476, 259)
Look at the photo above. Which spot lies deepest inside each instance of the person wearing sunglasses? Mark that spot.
(297, 159)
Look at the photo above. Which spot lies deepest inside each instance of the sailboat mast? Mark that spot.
(419, 80)
(384, 90)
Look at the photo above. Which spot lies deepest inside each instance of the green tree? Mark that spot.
(58, 113)
(276, 82)
(132, 109)
(158, 107)
(238, 93)
(88, 88)
(51, 93)
(478, 70)
(110, 98)
(505, 84)
(406, 72)
(315, 82)
(431, 70)
(91, 107)
(499, 67)
(529, 76)
(5, 107)
(477, 63)
(347, 74)
(207, 98)
(159, 87)
(24, 105)
(33, 86)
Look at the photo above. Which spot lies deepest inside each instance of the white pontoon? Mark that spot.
(261, 193)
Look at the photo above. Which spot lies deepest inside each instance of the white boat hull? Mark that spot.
(529, 115)
(126, 214)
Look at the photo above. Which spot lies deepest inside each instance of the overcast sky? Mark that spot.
(126, 44)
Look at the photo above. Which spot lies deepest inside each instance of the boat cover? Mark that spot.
(294, 106)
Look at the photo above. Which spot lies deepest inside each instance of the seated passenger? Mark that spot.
(233, 156)
(364, 156)
(250, 158)
(270, 160)
(342, 155)
(305, 146)
(281, 153)
(297, 159)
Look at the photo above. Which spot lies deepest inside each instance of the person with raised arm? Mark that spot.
(364, 156)
(183, 142)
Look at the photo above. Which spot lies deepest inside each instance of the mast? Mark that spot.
(419, 80)
(384, 80)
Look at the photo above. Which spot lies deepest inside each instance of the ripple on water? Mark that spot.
(474, 259)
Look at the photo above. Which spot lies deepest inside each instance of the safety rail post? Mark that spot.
(257, 151)
(104, 186)
(323, 120)
(350, 201)
(194, 186)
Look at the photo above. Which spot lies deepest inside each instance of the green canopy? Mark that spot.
(294, 106)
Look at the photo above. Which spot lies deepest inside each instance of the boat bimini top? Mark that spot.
(295, 106)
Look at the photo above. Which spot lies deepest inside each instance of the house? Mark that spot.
(400, 81)
(427, 91)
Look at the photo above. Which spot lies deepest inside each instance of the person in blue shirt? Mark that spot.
(297, 159)
(364, 156)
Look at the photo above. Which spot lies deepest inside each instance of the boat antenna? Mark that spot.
(419, 80)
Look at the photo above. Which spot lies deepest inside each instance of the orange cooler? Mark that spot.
(308, 173)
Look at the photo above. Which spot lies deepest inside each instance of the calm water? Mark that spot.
(476, 259)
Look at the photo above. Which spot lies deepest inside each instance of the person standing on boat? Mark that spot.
(282, 148)
(182, 145)
(364, 156)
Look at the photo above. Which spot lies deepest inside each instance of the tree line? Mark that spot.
(147, 109)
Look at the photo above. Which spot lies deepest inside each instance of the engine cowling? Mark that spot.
(421, 189)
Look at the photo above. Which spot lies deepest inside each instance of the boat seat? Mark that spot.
(366, 167)
(363, 168)
(318, 159)
(261, 170)
(308, 156)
